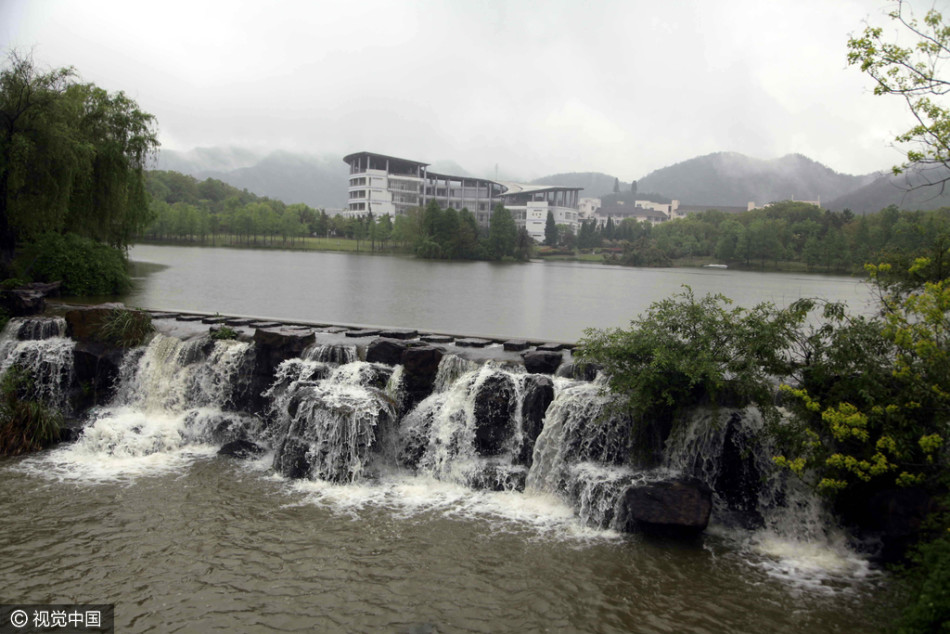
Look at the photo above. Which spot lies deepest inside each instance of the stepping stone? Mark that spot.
(265, 324)
(516, 345)
(437, 338)
(234, 321)
(189, 318)
(335, 330)
(213, 320)
(551, 347)
(362, 333)
(160, 315)
(398, 334)
(472, 342)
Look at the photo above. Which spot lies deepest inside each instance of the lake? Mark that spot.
(552, 301)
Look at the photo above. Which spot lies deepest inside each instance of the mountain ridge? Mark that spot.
(716, 179)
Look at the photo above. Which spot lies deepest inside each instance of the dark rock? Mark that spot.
(95, 372)
(494, 409)
(237, 321)
(240, 449)
(189, 317)
(213, 320)
(437, 338)
(335, 330)
(291, 459)
(366, 332)
(472, 342)
(399, 333)
(540, 362)
(538, 394)
(420, 365)
(84, 323)
(271, 348)
(385, 351)
(677, 508)
(551, 347)
(29, 299)
(265, 324)
(39, 328)
(579, 371)
(155, 314)
(515, 345)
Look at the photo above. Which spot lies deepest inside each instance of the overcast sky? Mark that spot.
(534, 87)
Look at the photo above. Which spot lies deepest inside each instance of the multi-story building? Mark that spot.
(389, 185)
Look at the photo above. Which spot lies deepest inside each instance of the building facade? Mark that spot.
(390, 185)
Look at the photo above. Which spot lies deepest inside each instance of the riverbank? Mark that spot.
(590, 256)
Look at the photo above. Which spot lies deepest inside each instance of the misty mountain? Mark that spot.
(207, 159)
(914, 190)
(731, 179)
(318, 181)
(595, 184)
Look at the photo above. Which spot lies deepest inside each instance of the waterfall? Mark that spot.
(39, 348)
(339, 354)
(472, 432)
(451, 368)
(332, 425)
(170, 394)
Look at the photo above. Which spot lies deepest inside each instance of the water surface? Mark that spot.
(539, 300)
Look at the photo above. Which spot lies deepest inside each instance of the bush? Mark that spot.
(684, 351)
(223, 333)
(126, 328)
(25, 424)
(86, 267)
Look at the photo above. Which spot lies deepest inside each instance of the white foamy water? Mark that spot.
(409, 496)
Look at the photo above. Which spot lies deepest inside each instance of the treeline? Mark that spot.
(447, 234)
(783, 233)
(212, 212)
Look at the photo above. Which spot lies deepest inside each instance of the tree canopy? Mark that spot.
(72, 157)
(913, 72)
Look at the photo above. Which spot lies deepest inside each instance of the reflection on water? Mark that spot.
(549, 301)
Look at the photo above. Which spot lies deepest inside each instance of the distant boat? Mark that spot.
(715, 266)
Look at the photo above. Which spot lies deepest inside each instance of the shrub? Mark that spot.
(126, 328)
(25, 424)
(86, 267)
(684, 351)
(223, 333)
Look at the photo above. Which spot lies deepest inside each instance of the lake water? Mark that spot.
(142, 513)
(552, 301)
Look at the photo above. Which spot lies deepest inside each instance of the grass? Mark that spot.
(126, 328)
(26, 425)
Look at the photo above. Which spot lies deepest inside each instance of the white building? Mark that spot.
(389, 185)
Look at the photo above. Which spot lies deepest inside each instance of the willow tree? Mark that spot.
(72, 157)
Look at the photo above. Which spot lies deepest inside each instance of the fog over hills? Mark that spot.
(720, 179)
(919, 189)
(727, 178)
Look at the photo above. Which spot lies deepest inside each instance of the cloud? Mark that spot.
(623, 87)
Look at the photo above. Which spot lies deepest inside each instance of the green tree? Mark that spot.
(912, 72)
(502, 233)
(72, 157)
(550, 230)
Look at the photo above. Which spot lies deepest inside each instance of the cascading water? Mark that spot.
(332, 425)
(331, 418)
(172, 396)
(39, 348)
(339, 354)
